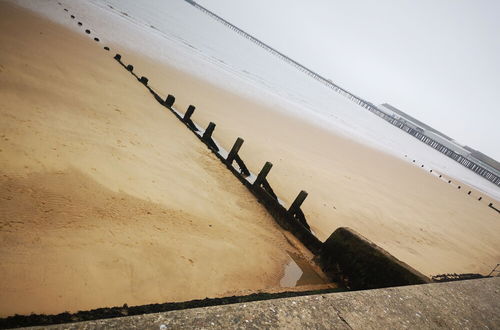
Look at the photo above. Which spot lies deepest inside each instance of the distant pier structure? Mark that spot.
(468, 157)
(472, 159)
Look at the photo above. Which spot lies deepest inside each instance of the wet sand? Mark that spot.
(105, 197)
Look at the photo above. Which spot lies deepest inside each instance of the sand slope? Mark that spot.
(106, 198)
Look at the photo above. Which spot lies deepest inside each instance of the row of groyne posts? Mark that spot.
(346, 256)
(292, 219)
(449, 181)
(477, 168)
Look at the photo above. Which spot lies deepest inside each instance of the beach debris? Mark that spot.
(455, 277)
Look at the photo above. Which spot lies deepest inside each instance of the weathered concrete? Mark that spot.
(471, 304)
(349, 257)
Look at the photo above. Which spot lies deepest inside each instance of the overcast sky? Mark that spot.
(438, 60)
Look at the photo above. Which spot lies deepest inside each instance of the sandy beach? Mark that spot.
(106, 198)
(420, 219)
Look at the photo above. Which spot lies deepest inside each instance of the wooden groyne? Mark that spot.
(473, 166)
(292, 218)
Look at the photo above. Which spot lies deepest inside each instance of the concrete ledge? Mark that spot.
(348, 257)
(460, 305)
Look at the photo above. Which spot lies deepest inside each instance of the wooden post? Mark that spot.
(130, 67)
(209, 131)
(144, 80)
(263, 174)
(169, 101)
(234, 150)
(469, 192)
(189, 112)
(297, 202)
(118, 57)
(480, 198)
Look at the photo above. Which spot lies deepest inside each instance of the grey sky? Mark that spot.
(438, 60)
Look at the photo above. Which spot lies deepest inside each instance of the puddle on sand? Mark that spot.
(298, 272)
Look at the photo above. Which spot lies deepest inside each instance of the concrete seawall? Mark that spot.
(471, 304)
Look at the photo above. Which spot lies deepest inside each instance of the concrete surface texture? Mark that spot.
(469, 304)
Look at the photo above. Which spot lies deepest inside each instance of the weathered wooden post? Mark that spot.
(209, 131)
(144, 80)
(207, 137)
(118, 57)
(169, 101)
(87, 31)
(80, 23)
(297, 202)
(73, 16)
(234, 150)
(96, 39)
(263, 174)
(480, 198)
(490, 204)
(189, 112)
(469, 192)
(130, 67)
(106, 48)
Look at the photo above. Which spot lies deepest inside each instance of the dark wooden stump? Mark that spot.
(169, 101)
(234, 150)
